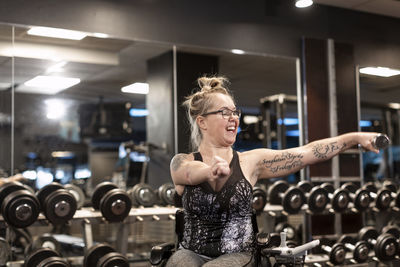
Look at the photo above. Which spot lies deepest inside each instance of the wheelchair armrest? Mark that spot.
(161, 252)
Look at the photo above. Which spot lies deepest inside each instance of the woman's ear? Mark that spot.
(200, 120)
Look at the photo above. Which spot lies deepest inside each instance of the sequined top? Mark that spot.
(220, 222)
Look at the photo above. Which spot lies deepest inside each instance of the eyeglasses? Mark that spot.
(226, 113)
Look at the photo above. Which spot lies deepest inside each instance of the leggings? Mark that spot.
(185, 257)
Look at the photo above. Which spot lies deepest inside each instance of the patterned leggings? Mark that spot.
(185, 257)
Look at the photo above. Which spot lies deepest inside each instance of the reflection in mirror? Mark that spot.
(380, 112)
(71, 115)
(264, 88)
(6, 66)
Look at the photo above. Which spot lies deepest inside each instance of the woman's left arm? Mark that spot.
(270, 163)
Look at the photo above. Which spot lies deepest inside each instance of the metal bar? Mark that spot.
(122, 237)
(87, 234)
(175, 88)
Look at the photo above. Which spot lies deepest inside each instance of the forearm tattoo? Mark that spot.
(177, 161)
(323, 151)
(283, 162)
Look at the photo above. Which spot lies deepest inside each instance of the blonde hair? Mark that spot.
(199, 102)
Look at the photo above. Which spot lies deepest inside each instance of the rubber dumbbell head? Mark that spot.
(359, 196)
(384, 245)
(360, 249)
(336, 252)
(143, 195)
(45, 257)
(114, 203)
(58, 205)
(103, 255)
(19, 206)
(290, 197)
(259, 199)
(78, 193)
(381, 141)
(339, 198)
(381, 197)
(317, 197)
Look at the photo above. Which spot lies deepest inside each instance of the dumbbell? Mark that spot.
(19, 206)
(384, 245)
(360, 197)
(317, 197)
(290, 197)
(259, 199)
(336, 252)
(43, 241)
(57, 203)
(142, 195)
(113, 202)
(339, 198)
(45, 257)
(165, 194)
(78, 193)
(103, 255)
(382, 197)
(381, 141)
(394, 230)
(287, 228)
(394, 193)
(360, 249)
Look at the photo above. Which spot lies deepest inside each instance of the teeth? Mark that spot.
(231, 128)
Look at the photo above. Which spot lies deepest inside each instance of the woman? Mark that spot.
(216, 182)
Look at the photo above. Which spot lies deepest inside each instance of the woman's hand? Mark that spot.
(219, 169)
(366, 141)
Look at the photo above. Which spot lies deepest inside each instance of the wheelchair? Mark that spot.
(267, 247)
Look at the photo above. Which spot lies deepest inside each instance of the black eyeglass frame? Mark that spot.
(236, 112)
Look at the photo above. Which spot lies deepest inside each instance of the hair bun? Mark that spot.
(209, 83)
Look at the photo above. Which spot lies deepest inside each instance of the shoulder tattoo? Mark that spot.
(177, 160)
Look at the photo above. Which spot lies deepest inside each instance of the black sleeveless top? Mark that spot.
(217, 223)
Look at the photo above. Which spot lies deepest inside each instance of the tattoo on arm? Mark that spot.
(323, 151)
(177, 161)
(283, 162)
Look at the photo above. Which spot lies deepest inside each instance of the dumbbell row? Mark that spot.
(292, 198)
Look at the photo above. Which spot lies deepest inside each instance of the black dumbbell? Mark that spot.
(360, 197)
(259, 199)
(339, 198)
(394, 193)
(113, 202)
(317, 197)
(394, 230)
(381, 141)
(382, 197)
(103, 255)
(78, 193)
(58, 205)
(336, 252)
(360, 249)
(166, 194)
(45, 257)
(142, 195)
(19, 206)
(43, 241)
(290, 197)
(384, 245)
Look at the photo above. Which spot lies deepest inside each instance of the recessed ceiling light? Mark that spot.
(380, 71)
(49, 84)
(237, 51)
(303, 3)
(100, 35)
(136, 88)
(57, 33)
(57, 67)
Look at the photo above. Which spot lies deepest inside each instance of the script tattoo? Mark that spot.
(322, 151)
(177, 161)
(283, 162)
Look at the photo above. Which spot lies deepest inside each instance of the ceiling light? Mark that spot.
(57, 67)
(380, 71)
(100, 35)
(4, 86)
(394, 105)
(237, 51)
(303, 3)
(57, 33)
(136, 88)
(55, 109)
(50, 84)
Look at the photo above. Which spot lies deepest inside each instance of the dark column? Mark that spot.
(161, 105)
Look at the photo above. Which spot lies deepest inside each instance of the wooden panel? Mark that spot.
(317, 97)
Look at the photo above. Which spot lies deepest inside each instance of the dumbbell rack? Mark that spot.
(87, 217)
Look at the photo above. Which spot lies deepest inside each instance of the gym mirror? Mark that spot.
(380, 112)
